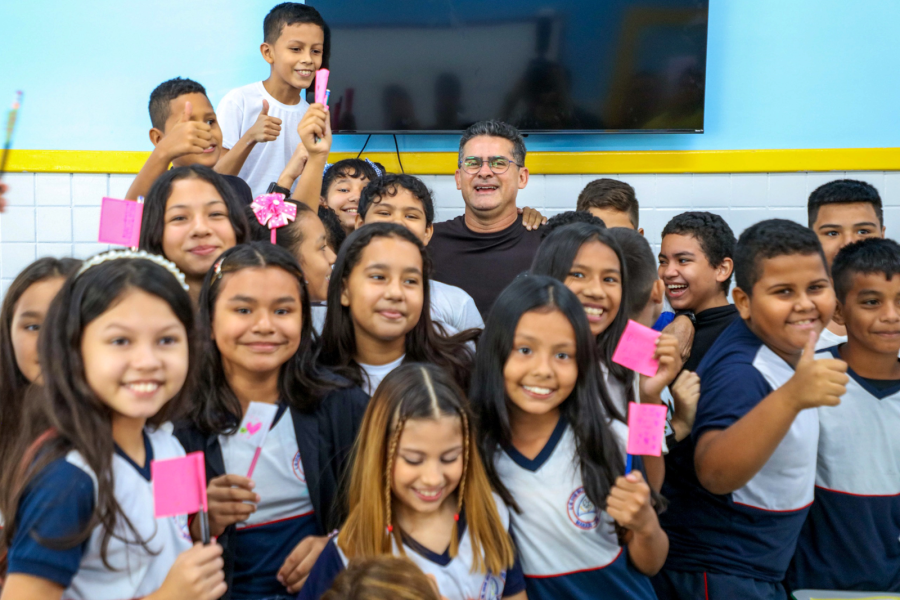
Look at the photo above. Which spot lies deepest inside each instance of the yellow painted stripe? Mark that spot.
(547, 163)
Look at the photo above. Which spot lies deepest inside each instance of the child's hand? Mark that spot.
(186, 136)
(686, 393)
(668, 353)
(315, 130)
(531, 218)
(683, 330)
(300, 561)
(629, 503)
(229, 497)
(294, 168)
(817, 382)
(195, 575)
(266, 128)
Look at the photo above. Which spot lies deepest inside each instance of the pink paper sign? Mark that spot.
(646, 424)
(636, 349)
(120, 222)
(321, 85)
(179, 485)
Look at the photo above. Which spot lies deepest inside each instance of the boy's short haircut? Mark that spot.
(291, 13)
(567, 218)
(843, 191)
(640, 264)
(771, 239)
(494, 129)
(868, 256)
(162, 96)
(334, 231)
(390, 185)
(354, 168)
(715, 237)
(610, 193)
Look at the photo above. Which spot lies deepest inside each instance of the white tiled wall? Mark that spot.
(58, 214)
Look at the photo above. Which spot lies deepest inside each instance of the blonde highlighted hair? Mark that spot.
(418, 391)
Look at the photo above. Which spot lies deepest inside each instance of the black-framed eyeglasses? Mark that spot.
(497, 164)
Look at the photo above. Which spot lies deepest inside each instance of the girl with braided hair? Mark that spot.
(418, 489)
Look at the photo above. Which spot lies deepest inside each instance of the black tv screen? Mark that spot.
(546, 66)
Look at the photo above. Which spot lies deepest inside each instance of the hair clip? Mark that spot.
(168, 265)
(377, 170)
(218, 269)
(327, 166)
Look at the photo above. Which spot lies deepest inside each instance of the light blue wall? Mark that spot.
(781, 73)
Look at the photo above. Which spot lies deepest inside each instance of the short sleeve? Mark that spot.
(57, 504)
(328, 566)
(515, 579)
(728, 391)
(230, 114)
(470, 318)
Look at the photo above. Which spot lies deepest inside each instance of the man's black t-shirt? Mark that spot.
(482, 264)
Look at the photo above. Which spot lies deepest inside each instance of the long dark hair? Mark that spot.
(555, 257)
(12, 382)
(302, 383)
(153, 222)
(588, 407)
(426, 342)
(74, 416)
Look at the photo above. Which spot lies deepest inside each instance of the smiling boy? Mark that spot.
(754, 434)
(842, 212)
(849, 540)
(296, 44)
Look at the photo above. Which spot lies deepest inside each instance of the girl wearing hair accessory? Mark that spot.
(258, 346)
(418, 489)
(191, 216)
(553, 451)
(76, 489)
(375, 319)
(24, 308)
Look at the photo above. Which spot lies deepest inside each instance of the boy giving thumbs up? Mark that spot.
(755, 432)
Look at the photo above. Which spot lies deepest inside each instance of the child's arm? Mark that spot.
(686, 394)
(185, 137)
(196, 575)
(300, 561)
(726, 459)
(265, 129)
(315, 124)
(229, 503)
(669, 356)
(19, 586)
(294, 167)
(629, 504)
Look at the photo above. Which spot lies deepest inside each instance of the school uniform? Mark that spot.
(60, 501)
(454, 576)
(374, 374)
(739, 545)
(297, 474)
(568, 548)
(851, 539)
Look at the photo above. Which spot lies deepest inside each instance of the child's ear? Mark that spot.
(345, 297)
(429, 231)
(741, 302)
(641, 230)
(359, 221)
(155, 136)
(839, 314)
(323, 202)
(268, 52)
(724, 270)
(658, 292)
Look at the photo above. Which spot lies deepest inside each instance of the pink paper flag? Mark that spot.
(646, 424)
(321, 85)
(179, 485)
(120, 222)
(636, 349)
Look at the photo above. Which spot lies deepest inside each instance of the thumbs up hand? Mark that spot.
(817, 382)
(266, 128)
(186, 136)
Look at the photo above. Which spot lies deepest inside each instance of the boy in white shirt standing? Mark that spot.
(296, 45)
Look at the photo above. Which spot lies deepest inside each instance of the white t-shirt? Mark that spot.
(375, 373)
(452, 306)
(238, 111)
(828, 339)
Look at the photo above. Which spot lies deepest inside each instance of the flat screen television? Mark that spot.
(545, 66)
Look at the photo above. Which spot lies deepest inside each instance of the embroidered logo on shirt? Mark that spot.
(492, 588)
(297, 465)
(582, 511)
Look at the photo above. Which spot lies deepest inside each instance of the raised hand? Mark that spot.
(315, 130)
(629, 503)
(195, 575)
(186, 136)
(817, 382)
(668, 353)
(266, 128)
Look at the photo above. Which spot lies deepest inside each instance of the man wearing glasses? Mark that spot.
(483, 250)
